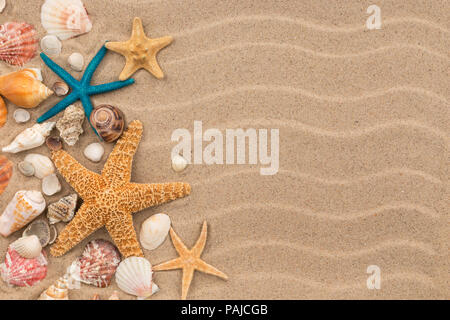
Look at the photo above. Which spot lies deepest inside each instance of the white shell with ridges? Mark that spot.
(30, 138)
(134, 276)
(43, 166)
(154, 231)
(28, 247)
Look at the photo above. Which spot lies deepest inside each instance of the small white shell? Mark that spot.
(51, 185)
(134, 276)
(30, 138)
(60, 88)
(51, 45)
(28, 247)
(154, 231)
(76, 61)
(179, 163)
(21, 115)
(43, 166)
(26, 168)
(94, 152)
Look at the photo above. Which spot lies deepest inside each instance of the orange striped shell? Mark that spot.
(18, 42)
(6, 171)
(3, 112)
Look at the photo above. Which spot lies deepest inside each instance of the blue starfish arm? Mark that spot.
(102, 88)
(87, 76)
(63, 74)
(87, 105)
(60, 106)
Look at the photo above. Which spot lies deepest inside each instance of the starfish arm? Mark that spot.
(138, 29)
(200, 244)
(188, 274)
(169, 265)
(153, 67)
(87, 76)
(128, 70)
(162, 42)
(178, 244)
(202, 266)
(86, 183)
(102, 88)
(60, 106)
(86, 221)
(119, 47)
(117, 169)
(120, 228)
(87, 105)
(63, 74)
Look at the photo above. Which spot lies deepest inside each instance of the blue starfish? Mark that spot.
(81, 90)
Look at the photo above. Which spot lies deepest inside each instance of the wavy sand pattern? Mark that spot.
(364, 142)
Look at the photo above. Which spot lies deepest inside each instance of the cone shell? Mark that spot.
(3, 112)
(28, 247)
(65, 18)
(30, 138)
(42, 165)
(108, 121)
(134, 276)
(40, 229)
(18, 42)
(24, 88)
(57, 291)
(70, 125)
(6, 171)
(97, 264)
(154, 231)
(24, 207)
(63, 210)
(23, 272)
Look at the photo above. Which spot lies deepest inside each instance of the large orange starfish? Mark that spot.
(140, 51)
(110, 198)
(189, 260)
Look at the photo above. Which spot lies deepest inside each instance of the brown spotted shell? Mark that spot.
(108, 121)
(6, 171)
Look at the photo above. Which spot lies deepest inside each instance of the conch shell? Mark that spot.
(108, 121)
(30, 138)
(3, 112)
(70, 125)
(24, 207)
(24, 88)
(6, 171)
(57, 291)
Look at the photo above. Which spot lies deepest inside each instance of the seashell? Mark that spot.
(23, 272)
(76, 61)
(51, 45)
(134, 276)
(63, 210)
(24, 207)
(2, 5)
(179, 163)
(24, 88)
(6, 171)
(53, 143)
(40, 229)
(114, 296)
(21, 115)
(30, 138)
(26, 168)
(3, 112)
(97, 264)
(28, 247)
(70, 125)
(94, 152)
(51, 185)
(65, 19)
(60, 88)
(57, 291)
(53, 234)
(154, 231)
(42, 165)
(108, 121)
(18, 42)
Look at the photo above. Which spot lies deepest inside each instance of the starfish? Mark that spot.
(110, 199)
(189, 260)
(81, 90)
(140, 51)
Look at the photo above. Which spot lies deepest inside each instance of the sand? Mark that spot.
(364, 124)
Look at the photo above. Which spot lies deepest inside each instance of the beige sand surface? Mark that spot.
(364, 123)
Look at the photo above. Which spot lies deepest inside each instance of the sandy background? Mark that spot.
(363, 118)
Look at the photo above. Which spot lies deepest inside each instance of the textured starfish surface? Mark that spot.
(140, 51)
(81, 90)
(189, 260)
(110, 199)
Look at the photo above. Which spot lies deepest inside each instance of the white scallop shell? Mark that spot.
(134, 276)
(30, 138)
(28, 247)
(43, 166)
(179, 163)
(94, 152)
(51, 45)
(51, 185)
(21, 115)
(154, 231)
(65, 18)
(76, 61)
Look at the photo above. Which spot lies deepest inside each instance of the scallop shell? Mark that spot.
(28, 247)
(24, 88)
(134, 276)
(6, 172)
(21, 115)
(51, 45)
(23, 272)
(63, 210)
(76, 61)
(57, 291)
(51, 185)
(70, 125)
(154, 231)
(94, 152)
(179, 163)
(108, 121)
(65, 18)
(18, 42)
(3, 112)
(43, 166)
(60, 88)
(30, 138)
(97, 264)
(40, 229)
(24, 207)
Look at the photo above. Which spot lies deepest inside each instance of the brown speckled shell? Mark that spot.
(53, 143)
(6, 171)
(3, 112)
(108, 121)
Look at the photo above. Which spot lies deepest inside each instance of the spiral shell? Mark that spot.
(18, 42)
(134, 276)
(108, 121)
(63, 210)
(28, 247)
(57, 291)
(40, 229)
(6, 171)
(3, 112)
(30, 138)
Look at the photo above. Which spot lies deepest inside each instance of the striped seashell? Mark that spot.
(134, 276)
(63, 210)
(6, 171)
(3, 112)
(108, 121)
(28, 247)
(57, 291)
(18, 42)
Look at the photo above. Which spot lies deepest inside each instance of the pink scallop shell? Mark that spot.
(18, 42)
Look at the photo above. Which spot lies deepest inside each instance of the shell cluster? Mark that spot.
(70, 125)
(30, 138)
(63, 210)
(108, 121)
(18, 43)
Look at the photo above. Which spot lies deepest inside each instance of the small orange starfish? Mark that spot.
(140, 51)
(189, 260)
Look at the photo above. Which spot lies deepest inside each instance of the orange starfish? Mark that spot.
(140, 51)
(189, 260)
(110, 198)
